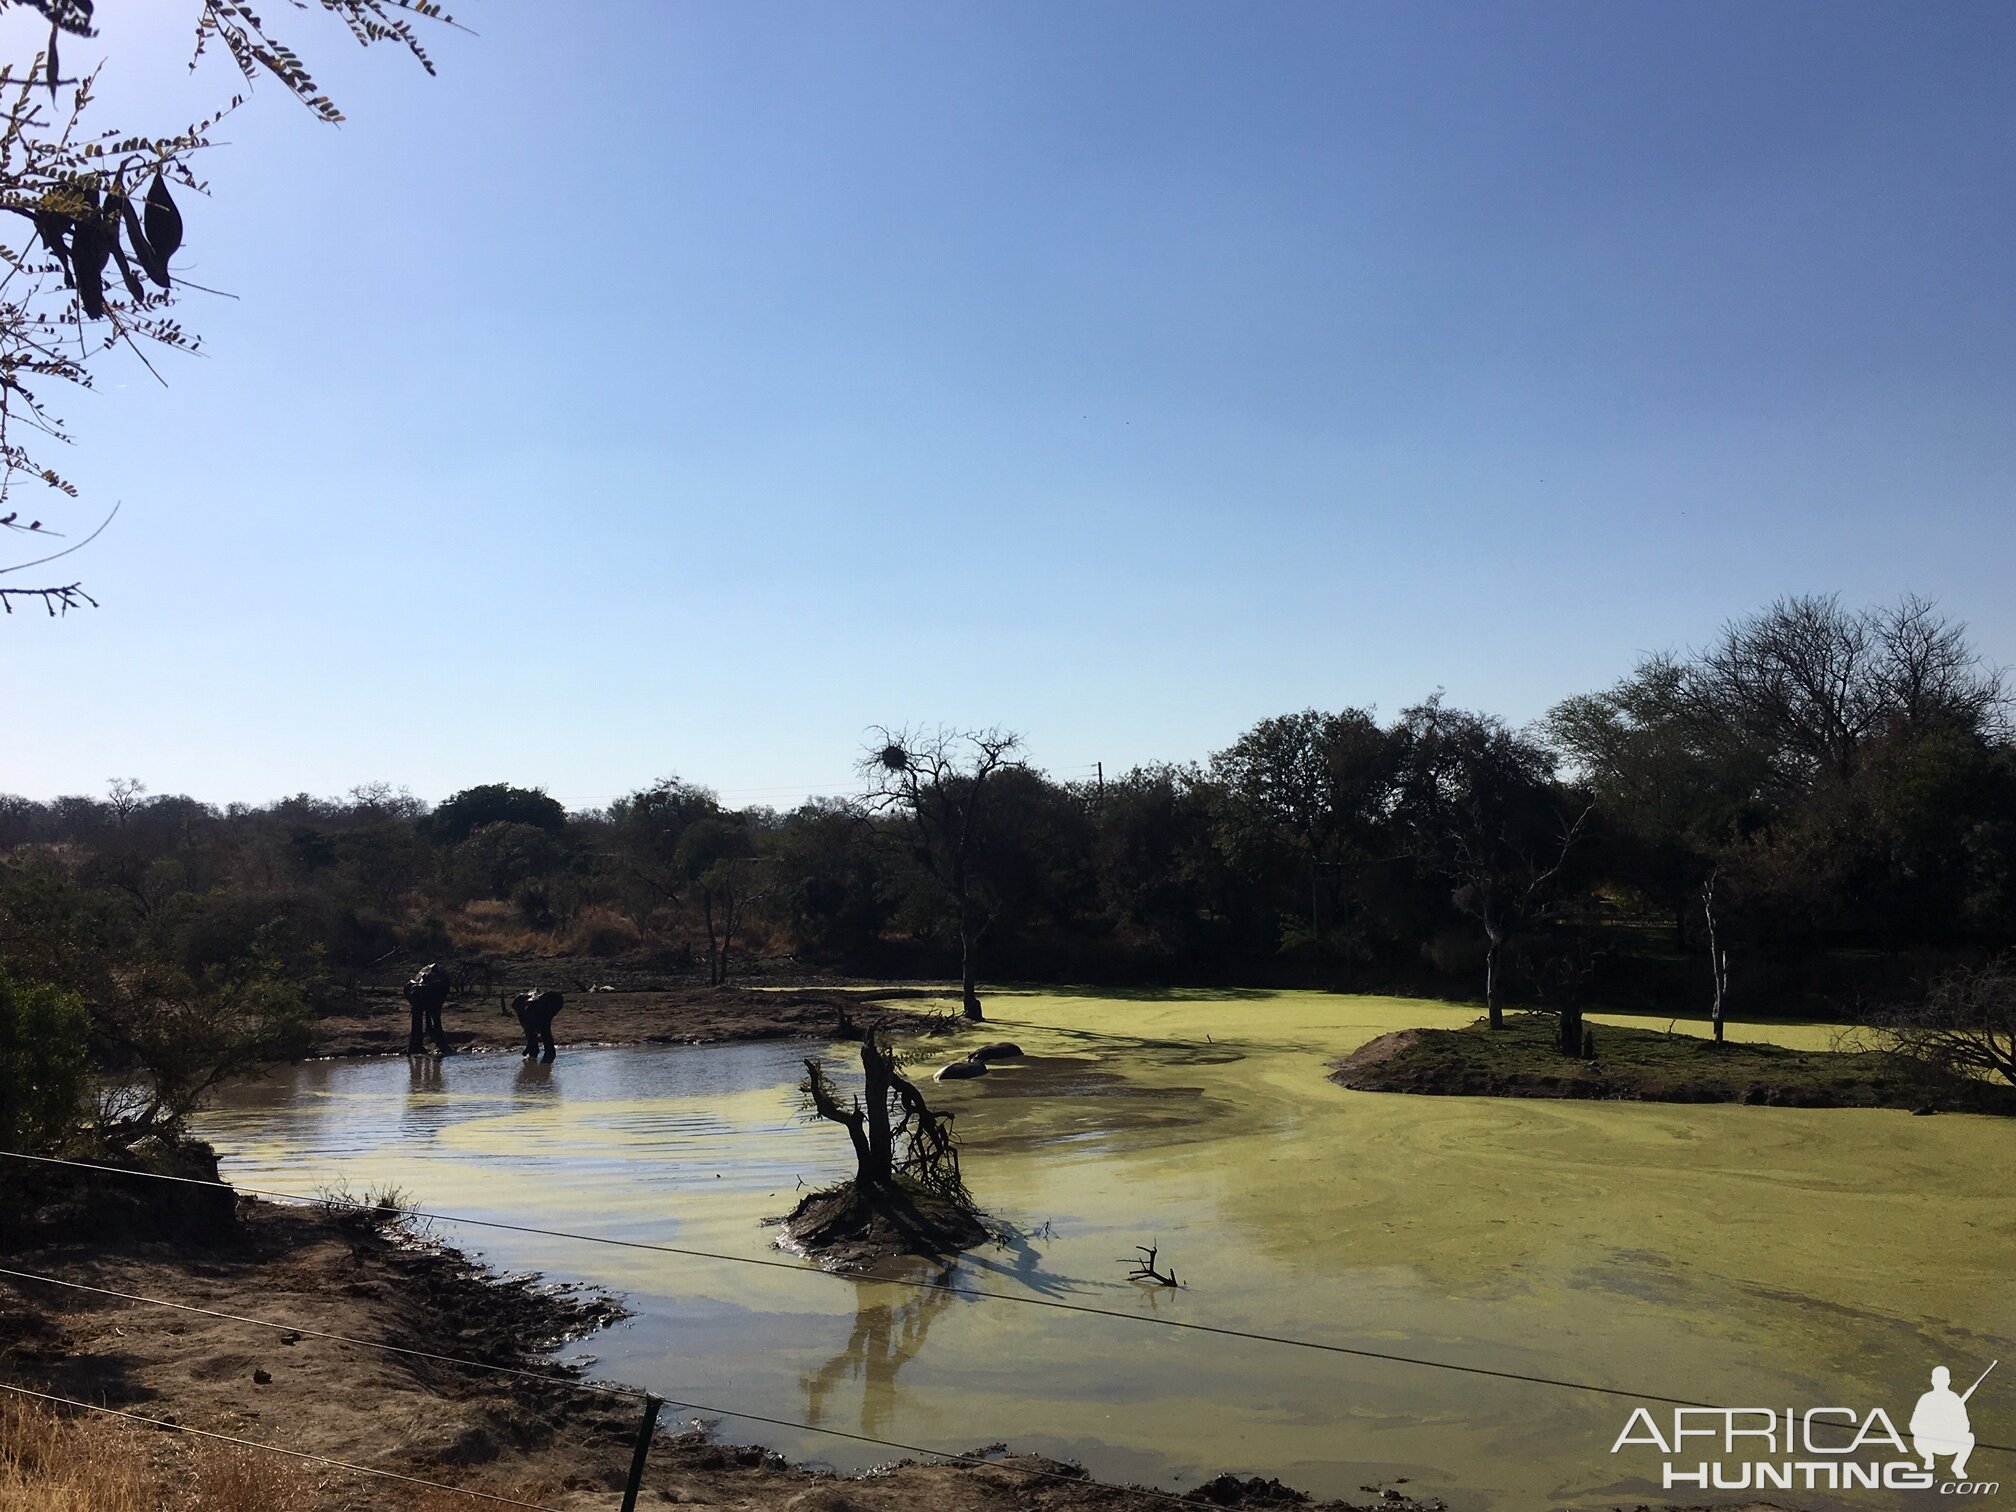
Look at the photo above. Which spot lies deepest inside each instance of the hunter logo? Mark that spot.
(1822, 1448)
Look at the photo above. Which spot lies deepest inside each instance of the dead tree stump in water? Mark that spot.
(907, 1195)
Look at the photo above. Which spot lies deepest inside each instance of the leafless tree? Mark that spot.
(1803, 686)
(1718, 957)
(895, 1133)
(1966, 1023)
(934, 783)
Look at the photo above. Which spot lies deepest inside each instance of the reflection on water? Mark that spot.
(886, 1336)
(1717, 1253)
(534, 1079)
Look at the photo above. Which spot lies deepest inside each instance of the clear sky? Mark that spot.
(675, 387)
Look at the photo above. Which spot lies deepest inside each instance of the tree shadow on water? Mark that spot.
(1025, 1268)
(885, 1337)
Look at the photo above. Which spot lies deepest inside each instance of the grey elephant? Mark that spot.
(425, 996)
(536, 1011)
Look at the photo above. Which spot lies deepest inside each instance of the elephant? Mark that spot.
(425, 996)
(536, 1011)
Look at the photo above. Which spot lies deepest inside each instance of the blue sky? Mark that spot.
(682, 388)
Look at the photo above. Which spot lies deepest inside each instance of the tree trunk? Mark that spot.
(852, 1119)
(1491, 1008)
(969, 996)
(877, 1064)
(729, 919)
(1568, 1034)
(1718, 958)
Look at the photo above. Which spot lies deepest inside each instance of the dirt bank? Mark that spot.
(535, 1440)
(680, 1015)
(1520, 1061)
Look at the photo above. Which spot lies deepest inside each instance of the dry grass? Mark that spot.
(599, 931)
(50, 1462)
(225, 1478)
(536, 1492)
(491, 927)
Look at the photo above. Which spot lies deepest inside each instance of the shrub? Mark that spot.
(426, 936)
(601, 932)
(44, 1064)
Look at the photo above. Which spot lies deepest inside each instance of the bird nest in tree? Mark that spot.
(894, 758)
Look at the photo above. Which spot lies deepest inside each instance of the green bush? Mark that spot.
(44, 1064)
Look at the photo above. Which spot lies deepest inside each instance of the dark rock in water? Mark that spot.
(963, 1070)
(999, 1050)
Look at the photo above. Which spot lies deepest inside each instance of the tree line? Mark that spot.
(1813, 813)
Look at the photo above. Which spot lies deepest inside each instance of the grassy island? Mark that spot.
(1521, 1060)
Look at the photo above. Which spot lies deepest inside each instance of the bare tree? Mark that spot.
(1966, 1024)
(1718, 957)
(1803, 687)
(896, 1135)
(934, 783)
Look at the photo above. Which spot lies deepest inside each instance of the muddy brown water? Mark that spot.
(1734, 1255)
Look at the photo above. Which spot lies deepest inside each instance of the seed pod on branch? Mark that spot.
(90, 250)
(164, 223)
(118, 208)
(52, 226)
(151, 262)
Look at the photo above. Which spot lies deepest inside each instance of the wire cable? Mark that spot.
(1217, 1330)
(302, 1454)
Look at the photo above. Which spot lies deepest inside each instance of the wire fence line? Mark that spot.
(299, 1454)
(1385, 1356)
